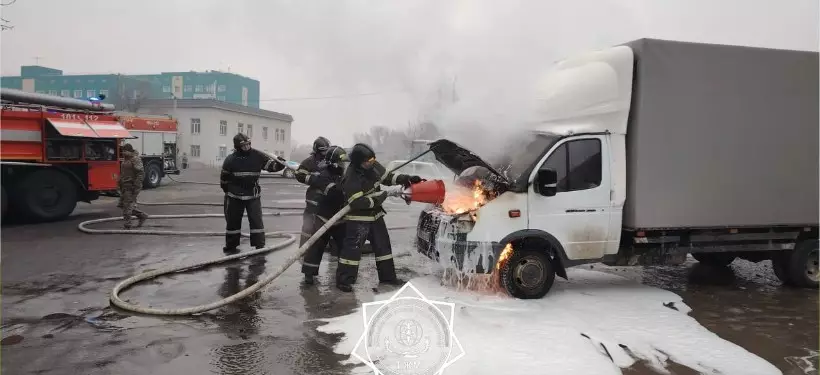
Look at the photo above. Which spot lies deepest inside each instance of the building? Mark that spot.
(127, 92)
(207, 126)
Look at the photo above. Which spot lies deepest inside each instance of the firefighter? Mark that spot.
(328, 181)
(240, 182)
(132, 175)
(306, 174)
(362, 190)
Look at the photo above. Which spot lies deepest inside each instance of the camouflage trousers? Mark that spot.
(128, 203)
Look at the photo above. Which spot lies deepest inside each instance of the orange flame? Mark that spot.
(459, 201)
(504, 256)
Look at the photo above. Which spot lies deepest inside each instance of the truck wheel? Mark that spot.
(47, 195)
(289, 173)
(153, 176)
(780, 265)
(803, 265)
(715, 259)
(527, 274)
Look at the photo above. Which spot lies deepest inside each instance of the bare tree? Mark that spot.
(4, 23)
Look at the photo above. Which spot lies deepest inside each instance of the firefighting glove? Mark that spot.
(394, 191)
(416, 179)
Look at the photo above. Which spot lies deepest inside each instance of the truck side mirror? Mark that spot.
(547, 182)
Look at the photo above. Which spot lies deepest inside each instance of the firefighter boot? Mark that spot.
(344, 287)
(141, 218)
(309, 279)
(230, 250)
(397, 282)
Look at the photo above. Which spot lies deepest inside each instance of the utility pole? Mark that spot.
(37, 60)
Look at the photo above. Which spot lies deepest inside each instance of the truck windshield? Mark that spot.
(523, 156)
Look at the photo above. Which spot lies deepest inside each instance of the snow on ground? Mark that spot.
(573, 330)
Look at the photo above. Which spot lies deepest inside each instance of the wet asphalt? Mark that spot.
(56, 318)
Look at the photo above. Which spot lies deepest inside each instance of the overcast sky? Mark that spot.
(401, 50)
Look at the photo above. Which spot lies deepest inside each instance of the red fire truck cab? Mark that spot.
(55, 152)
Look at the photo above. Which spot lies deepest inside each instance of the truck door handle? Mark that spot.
(580, 210)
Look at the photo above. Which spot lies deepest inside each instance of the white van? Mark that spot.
(647, 152)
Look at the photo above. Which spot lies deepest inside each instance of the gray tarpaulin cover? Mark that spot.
(722, 136)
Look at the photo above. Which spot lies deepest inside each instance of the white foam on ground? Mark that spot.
(501, 335)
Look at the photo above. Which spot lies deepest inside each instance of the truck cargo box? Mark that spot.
(722, 136)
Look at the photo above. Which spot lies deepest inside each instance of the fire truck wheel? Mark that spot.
(47, 195)
(153, 176)
(528, 274)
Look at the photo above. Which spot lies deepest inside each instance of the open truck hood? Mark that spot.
(457, 158)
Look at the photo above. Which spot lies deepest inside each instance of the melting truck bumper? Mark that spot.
(443, 238)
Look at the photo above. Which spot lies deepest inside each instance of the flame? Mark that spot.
(504, 256)
(459, 201)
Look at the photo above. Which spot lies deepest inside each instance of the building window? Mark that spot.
(65, 93)
(102, 80)
(223, 151)
(194, 151)
(209, 89)
(166, 88)
(104, 92)
(250, 130)
(187, 88)
(276, 135)
(90, 93)
(265, 132)
(195, 125)
(221, 88)
(223, 127)
(282, 135)
(240, 128)
(78, 93)
(52, 92)
(198, 88)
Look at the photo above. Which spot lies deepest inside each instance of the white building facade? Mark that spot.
(207, 127)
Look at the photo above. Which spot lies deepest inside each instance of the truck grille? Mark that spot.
(426, 235)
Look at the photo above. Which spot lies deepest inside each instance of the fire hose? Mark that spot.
(291, 238)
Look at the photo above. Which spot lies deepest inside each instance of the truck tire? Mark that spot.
(715, 259)
(527, 274)
(289, 173)
(803, 265)
(153, 176)
(46, 195)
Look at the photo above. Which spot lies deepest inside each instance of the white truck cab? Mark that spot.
(562, 197)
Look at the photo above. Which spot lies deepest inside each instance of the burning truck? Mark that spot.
(643, 155)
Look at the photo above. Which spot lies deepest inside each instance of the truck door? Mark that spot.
(578, 214)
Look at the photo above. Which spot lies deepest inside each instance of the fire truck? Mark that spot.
(55, 152)
(155, 138)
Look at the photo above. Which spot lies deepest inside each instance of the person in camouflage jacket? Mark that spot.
(132, 175)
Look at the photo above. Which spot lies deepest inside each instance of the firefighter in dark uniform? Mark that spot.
(362, 189)
(306, 173)
(240, 182)
(332, 200)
